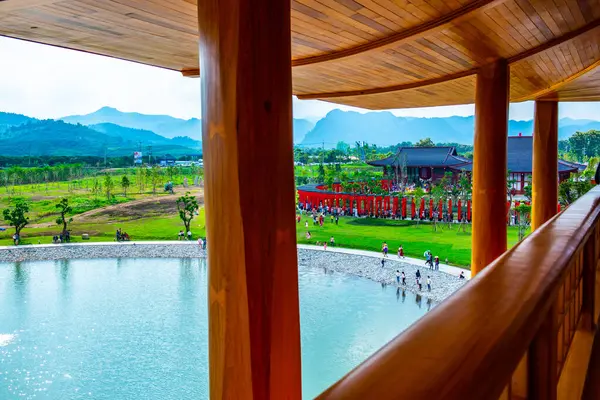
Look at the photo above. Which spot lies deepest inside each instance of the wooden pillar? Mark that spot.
(545, 163)
(254, 329)
(489, 165)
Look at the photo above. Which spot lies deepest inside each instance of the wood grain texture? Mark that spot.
(545, 163)
(254, 330)
(489, 165)
(355, 52)
(469, 346)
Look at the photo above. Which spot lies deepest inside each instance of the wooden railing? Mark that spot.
(521, 329)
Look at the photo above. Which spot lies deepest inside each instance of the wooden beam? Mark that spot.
(489, 165)
(428, 28)
(426, 82)
(7, 6)
(254, 329)
(545, 163)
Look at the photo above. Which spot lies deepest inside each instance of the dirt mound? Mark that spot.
(144, 208)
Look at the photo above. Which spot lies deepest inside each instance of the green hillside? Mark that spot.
(49, 137)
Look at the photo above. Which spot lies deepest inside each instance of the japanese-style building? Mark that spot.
(431, 163)
(423, 163)
(524, 327)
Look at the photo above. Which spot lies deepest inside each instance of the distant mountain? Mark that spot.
(385, 129)
(8, 119)
(301, 127)
(49, 137)
(130, 134)
(163, 125)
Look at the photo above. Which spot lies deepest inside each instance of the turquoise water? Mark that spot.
(137, 328)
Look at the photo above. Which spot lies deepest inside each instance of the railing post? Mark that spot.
(542, 358)
(589, 284)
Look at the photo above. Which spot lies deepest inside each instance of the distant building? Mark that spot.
(432, 162)
(423, 162)
(167, 160)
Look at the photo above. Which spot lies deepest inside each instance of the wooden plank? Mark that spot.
(254, 329)
(394, 39)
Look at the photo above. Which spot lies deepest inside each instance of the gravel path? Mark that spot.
(442, 284)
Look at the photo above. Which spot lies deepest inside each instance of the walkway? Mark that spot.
(449, 269)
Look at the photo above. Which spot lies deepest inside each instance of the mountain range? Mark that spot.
(385, 129)
(117, 133)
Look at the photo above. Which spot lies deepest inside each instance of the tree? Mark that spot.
(155, 178)
(64, 209)
(17, 216)
(187, 207)
(171, 172)
(572, 189)
(527, 192)
(321, 174)
(427, 142)
(140, 177)
(125, 183)
(583, 145)
(523, 212)
(96, 187)
(109, 185)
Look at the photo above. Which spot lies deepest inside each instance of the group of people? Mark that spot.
(64, 237)
(401, 279)
(122, 236)
(182, 235)
(433, 262)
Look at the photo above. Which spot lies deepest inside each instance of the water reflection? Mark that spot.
(62, 266)
(429, 303)
(418, 300)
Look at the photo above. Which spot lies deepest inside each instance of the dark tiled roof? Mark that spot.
(423, 157)
(520, 156)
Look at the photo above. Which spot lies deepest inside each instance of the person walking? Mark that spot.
(400, 252)
(382, 262)
(398, 277)
(462, 275)
(418, 274)
(403, 279)
(437, 263)
(419, 284)
(384, 249)
(332, 241)
(428, 283)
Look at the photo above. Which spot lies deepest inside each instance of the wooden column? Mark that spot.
(545, 163)
(489, 165)
(254, 330)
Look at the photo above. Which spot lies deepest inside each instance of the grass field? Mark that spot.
(369, 234)
(154, 217)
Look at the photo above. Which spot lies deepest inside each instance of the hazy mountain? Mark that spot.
(384, 128)
(163, 125)
(49, 137)
(8, 119)
(301, 128)
(130, 134)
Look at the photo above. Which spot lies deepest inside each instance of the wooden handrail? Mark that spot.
(470, 345)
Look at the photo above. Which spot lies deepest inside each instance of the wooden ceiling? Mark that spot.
(374, 54)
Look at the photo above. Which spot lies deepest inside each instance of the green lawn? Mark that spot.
(369, 234)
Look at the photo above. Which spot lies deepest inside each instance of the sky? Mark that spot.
(49, 82)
